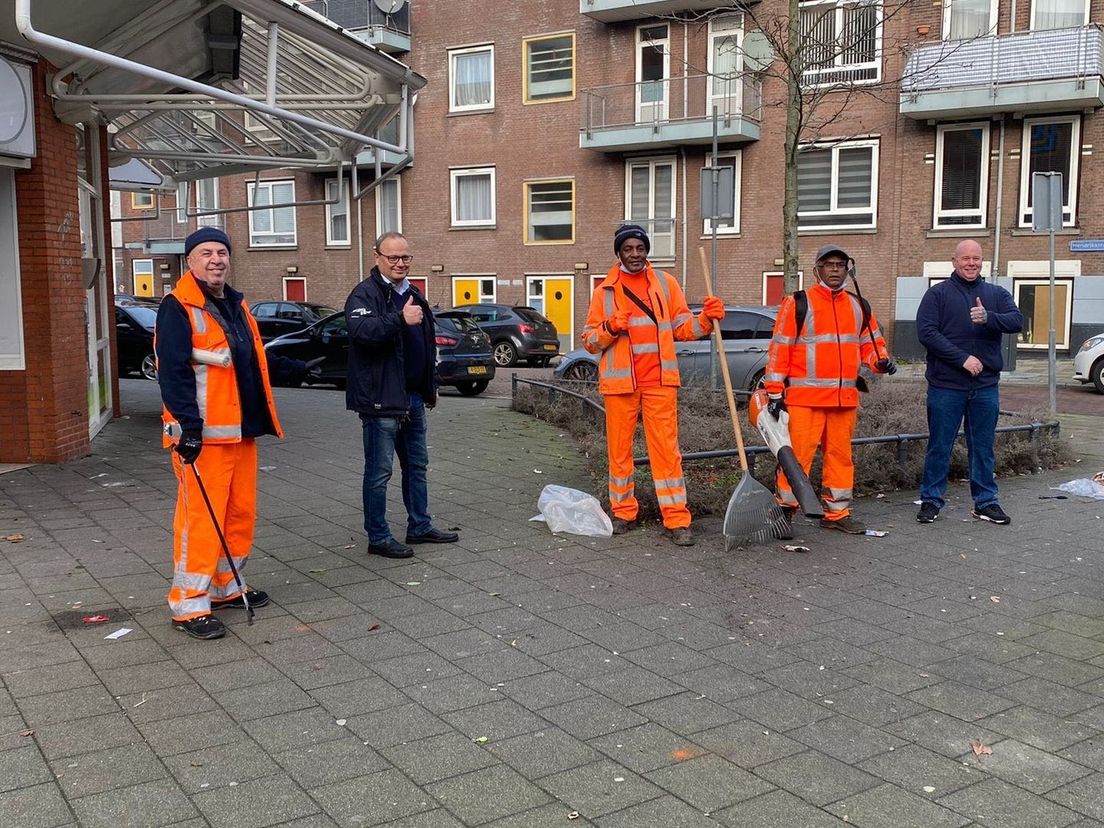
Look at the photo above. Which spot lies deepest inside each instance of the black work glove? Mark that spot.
(189, 446)
(312, 369)
(885, 366)
(775, 406)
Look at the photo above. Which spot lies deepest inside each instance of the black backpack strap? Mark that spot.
(801, 309)
(640, 304)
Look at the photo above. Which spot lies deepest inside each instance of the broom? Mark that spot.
(753, 514)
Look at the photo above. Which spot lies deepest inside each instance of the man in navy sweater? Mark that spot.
(960, 322)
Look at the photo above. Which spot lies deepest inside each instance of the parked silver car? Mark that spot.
(746, 331)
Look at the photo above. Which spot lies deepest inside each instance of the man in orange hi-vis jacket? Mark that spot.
(635, 316)
(813, 373)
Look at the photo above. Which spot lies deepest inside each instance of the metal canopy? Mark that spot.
(202, 88)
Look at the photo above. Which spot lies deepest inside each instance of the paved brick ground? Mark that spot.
(517, 677)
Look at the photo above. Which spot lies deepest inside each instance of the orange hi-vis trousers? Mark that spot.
(831, 428)
(660, 409)
(200, 571)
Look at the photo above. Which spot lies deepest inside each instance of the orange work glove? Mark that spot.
(618, 323)
(713, 307)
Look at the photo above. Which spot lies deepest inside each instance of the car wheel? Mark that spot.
(756, 382)
(1097, 374)
(582, 371)
(505, 354)
(149, 367)
(470, 389)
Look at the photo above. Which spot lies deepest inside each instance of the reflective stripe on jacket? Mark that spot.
(216, 387)
(819, 367)
(615, 351)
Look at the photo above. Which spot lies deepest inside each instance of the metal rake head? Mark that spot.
(755, 524)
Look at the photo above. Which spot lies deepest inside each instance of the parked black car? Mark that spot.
(278, 318)
(517, 332)
(463, 351)
(135, 318)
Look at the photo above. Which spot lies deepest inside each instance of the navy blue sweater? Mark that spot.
(943, 326)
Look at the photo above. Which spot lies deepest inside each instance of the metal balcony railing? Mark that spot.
(361, 15)
(1016, 58)
(673, 100)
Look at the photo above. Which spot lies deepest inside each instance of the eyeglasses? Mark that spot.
(832, 264)
(394, 260)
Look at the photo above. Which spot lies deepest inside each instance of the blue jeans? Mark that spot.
(947, 408)
(384, 437)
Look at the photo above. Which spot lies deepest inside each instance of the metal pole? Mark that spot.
(715, 176)
(1052, 357)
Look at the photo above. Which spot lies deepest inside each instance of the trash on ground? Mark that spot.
(119, 633)
(17, 537)
(572, 511)
(875, 533)
(95, 619)
(980, 748)
(1084, 487)
(1053, 497)
(797, 549)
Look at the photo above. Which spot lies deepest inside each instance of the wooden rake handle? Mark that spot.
(724, 369)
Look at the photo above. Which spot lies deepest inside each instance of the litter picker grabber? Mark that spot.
(753, 514)
(776, 434)
(222, 540)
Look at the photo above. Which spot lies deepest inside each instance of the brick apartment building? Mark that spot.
(541, 127)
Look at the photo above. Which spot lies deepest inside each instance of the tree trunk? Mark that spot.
(793, 133)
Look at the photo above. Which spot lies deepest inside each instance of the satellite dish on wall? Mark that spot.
(389, 6)
(758, 52)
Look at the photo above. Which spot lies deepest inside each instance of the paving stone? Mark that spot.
(1058, 669)
(105, 770)
(218, 766)
(544, 815)
(288, 730)
(188, 733)
(49, 679)
(1082, 796)
(647, 747)
(406, 723)
(592, 716)
(1049, 697)
(893, 676)
(267, 700)
(322, 764)
(270, 800)
(487, 794)
(914, 768)
(994, 802)
(543, 752)
(417, 668)
(845, 738)
(665, 811)
(236, 675)
(495, 720)
(600, 788)
(39, 806)
(816, 777)
(1037, 728)
(453, 693)
(669, 659)
(141, 806)
(686, 713)
(958, 700)
(747, 743)
(632, 686)
(508, 664)
(780, 710)
(941, 733)
(1027, 767)
(888, 806)
(709, 783)
(169, 703)
(355, 697)
(76, 703)
(320, 672)
(773, 810)
(1066, 644)
(57, 741)
(438, 757)
(22, 768)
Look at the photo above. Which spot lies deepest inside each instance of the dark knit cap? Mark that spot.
(631, 231)
(206, 234)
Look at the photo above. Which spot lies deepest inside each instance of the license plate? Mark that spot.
(477, 369)
(551, 347)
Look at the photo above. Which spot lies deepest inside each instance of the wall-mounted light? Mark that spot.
(436, 268)
(582, 265)
(923, 30)
(779, 262)
(293, 269)
(164, 265)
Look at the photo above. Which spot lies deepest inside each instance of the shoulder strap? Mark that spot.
(636, 300)
(801, 308)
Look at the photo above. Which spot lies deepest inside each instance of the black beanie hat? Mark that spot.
(206, 234)
(631, 231)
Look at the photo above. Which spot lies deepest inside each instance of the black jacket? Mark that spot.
(376, 381)
(944, 328)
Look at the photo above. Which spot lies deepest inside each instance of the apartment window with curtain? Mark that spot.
(388, 207)
(473, 196)
(650, 201)
(337, 214)
(966, 19)
(550, 212)
(274, 227)
(1059, 14)
(961, 175)
(837, 186)
(207, 199)
(1051, 145)
(843, 41)
(550, 68)
(727, 226)
(725, 65)
(471, 79)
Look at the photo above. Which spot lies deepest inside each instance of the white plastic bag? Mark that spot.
(574, 512)
(1083, 488)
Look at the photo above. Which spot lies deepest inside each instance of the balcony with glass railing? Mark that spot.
(614, 11)
(1032, 71)
(671, 112)
(387, 31)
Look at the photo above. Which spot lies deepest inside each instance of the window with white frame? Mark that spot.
(207, 201)
(337, 212)
(274, 227)
(182, 202)
(725, 226)
(549, 68)
(961, 175)
(650, 201)
(550, 212)
(837, 185)
(842, 41)
(1059, 14)
(389, 207)
(473, 196)
(967, 19)
(1051, 145)
(471, 78)
(725, 64)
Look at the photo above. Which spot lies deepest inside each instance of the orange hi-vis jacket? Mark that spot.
(673, 321)
(818, 368)
(216, 386)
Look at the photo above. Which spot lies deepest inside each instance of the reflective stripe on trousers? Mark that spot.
(200, 571)
(659, 406)
(831, 429)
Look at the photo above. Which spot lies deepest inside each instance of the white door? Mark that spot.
(725, 66)
(653, 72)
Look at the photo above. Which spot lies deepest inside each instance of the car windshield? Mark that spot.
(318, 311)
(530, 315)
(144, 315)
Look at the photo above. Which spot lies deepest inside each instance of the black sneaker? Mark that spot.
(928, 513)
(992, 513)
(205, 627)
(681, 536)
(848, 525)
(390, 548)
(621, 526)
(433, 536)
(257, 598)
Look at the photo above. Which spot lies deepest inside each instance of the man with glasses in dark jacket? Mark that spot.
(960, 322)
(390, 384)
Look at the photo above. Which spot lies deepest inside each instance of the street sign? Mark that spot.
(717, 205)
(1046, 202)
(1087, 246)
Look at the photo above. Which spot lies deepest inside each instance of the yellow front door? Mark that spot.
(465, 292)
(559, 307)
(143, 284)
